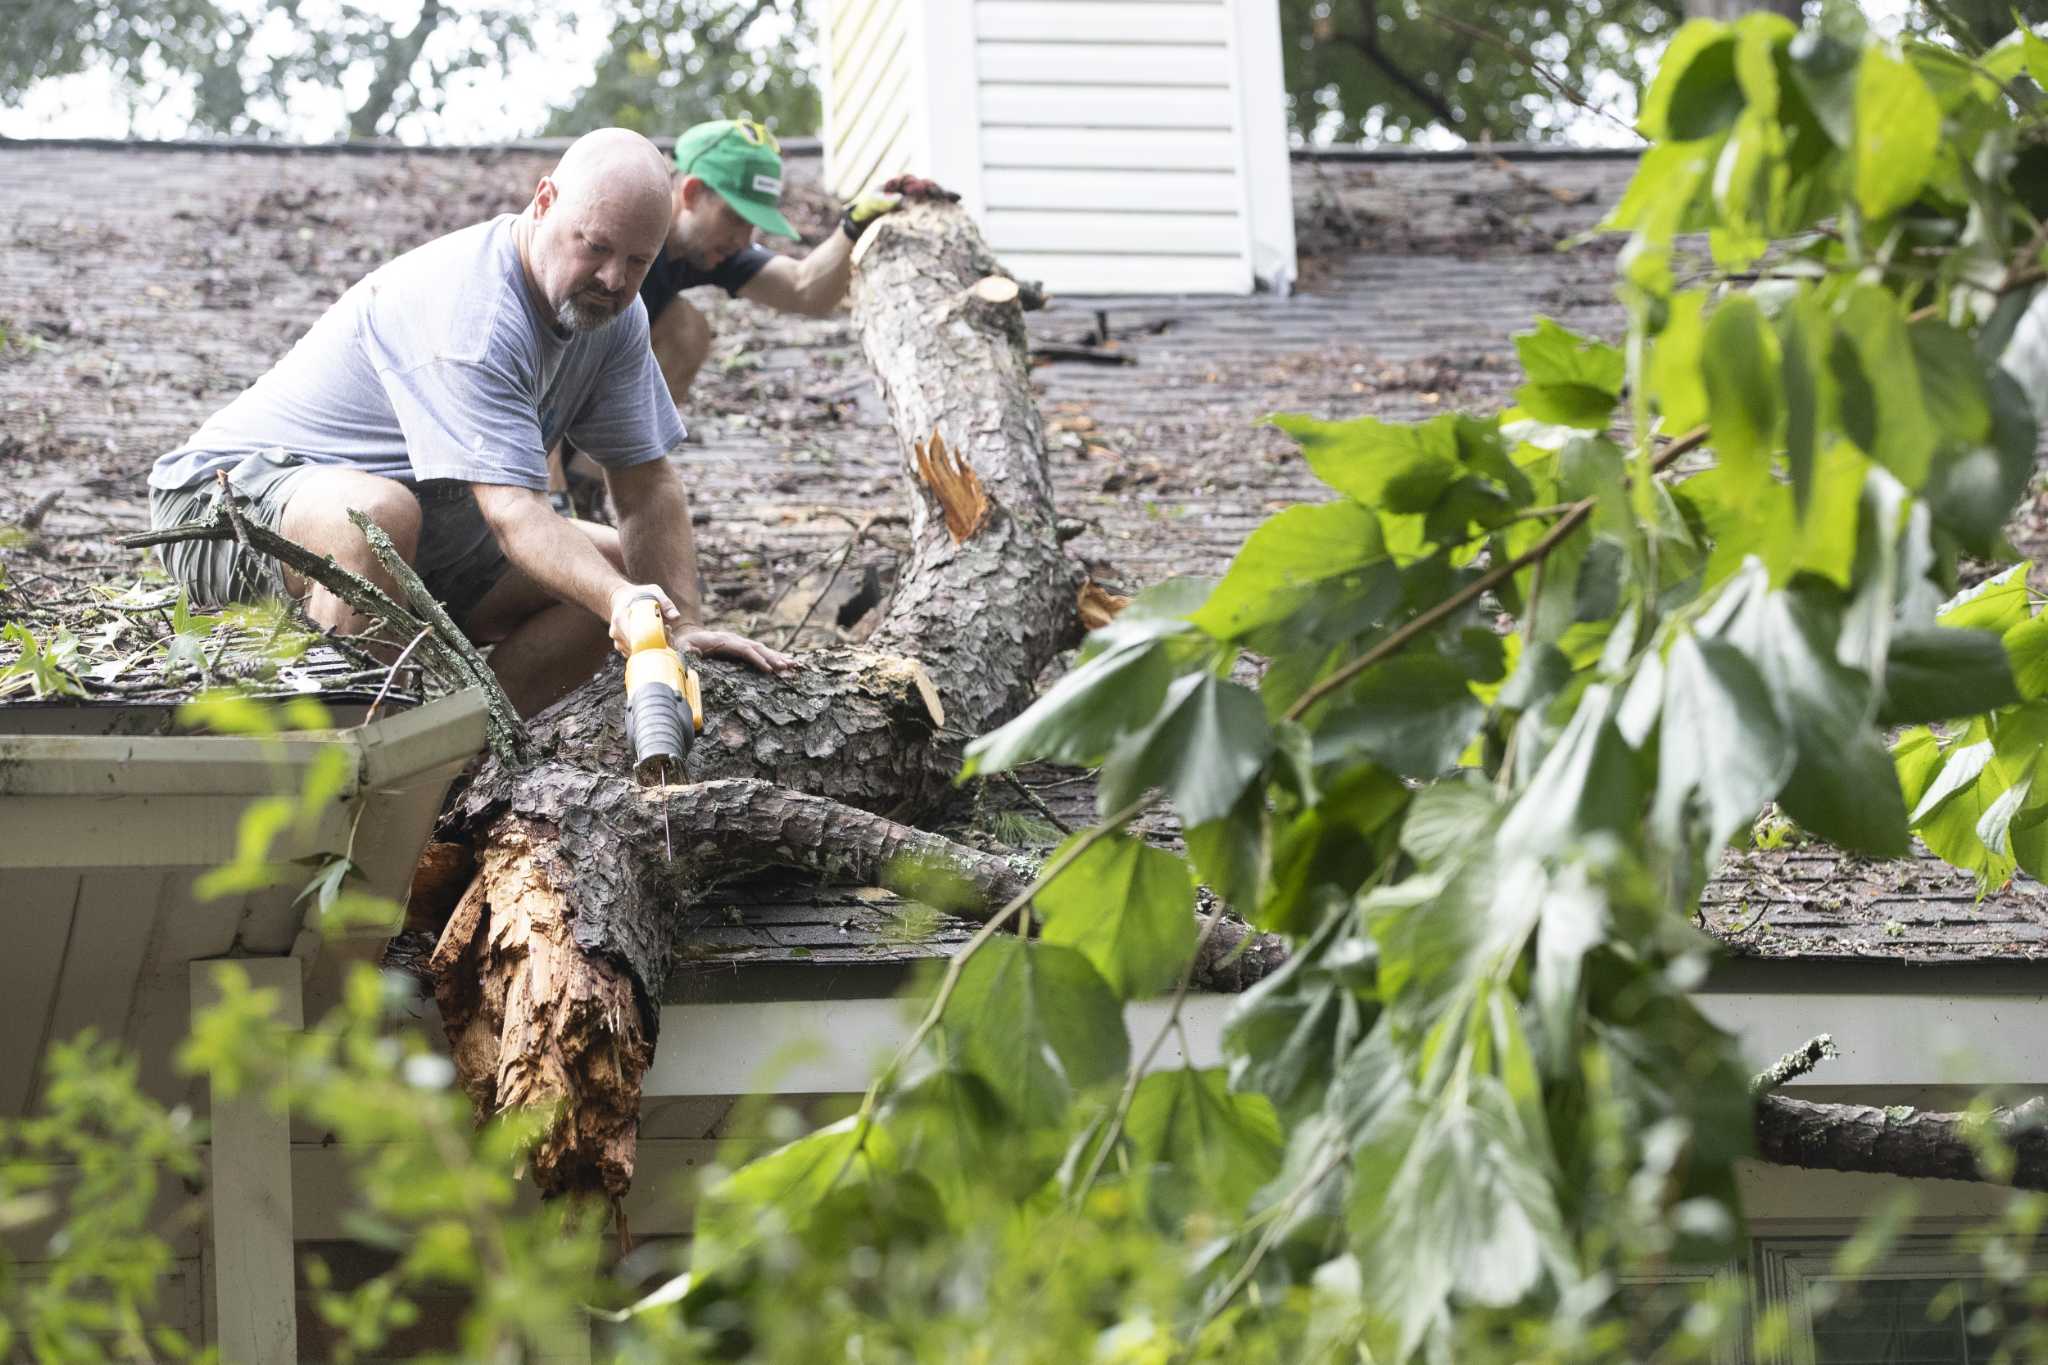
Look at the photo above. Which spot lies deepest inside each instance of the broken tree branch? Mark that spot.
(2004, 1146)
(1796, 1063)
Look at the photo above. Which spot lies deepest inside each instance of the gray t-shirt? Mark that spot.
(438, 366)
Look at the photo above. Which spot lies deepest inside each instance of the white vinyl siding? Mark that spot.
(1144, 98)
(1103, 143)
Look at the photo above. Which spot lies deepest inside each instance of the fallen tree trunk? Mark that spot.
(550, 971)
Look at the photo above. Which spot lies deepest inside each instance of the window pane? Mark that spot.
(1887, 1322)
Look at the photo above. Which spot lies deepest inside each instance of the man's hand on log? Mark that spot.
(894, 191)
(726, 644)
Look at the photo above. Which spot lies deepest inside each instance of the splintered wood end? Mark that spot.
(1099, 605)
(953, 483)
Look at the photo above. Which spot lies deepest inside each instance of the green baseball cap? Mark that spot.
(742, 161)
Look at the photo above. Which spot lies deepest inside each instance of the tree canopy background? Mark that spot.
(1355, 69)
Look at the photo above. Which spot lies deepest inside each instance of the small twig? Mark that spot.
(392, 673)
(1088, 776)
(1139, 1067)
(39, 509)
(1058, 350)
(955, 968)
(1536, 65)
(1036, 802)
(1478, 587)
(852, 543)
(1817, 1050)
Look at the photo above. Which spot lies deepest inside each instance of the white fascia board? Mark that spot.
(836, 1047)
(1892, 1038)
(811, 1047)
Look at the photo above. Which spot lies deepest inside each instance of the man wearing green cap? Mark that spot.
(727, 183)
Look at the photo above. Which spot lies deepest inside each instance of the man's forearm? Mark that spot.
(548, 550)
(825, 273)
(655, 535)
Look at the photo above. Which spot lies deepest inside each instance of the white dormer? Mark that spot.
(1107, 146)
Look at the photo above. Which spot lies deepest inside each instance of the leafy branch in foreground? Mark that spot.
(1518, 685)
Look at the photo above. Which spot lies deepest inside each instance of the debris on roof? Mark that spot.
(142, 288)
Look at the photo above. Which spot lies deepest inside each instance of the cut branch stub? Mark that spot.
(953, 483)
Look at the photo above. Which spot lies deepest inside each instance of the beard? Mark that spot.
(589, 312)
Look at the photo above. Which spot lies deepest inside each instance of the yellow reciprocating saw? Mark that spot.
(658, 688)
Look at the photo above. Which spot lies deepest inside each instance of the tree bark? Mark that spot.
(1907, 1142)
(825, 769)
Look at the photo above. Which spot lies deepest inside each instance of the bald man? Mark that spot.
(427, 397)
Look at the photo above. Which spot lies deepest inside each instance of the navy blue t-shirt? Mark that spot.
(668, 276)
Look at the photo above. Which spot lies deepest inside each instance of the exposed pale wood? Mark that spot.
(255, 1312)
(1098, 605)
(995, 289)
(536, 1023)
(953, 483)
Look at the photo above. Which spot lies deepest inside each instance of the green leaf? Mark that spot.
(1721, 748)
(1284, 1037)
(1825, 70)
(1037, 1024)
(1843, 786)
(1953, 384)
(1898, 133)
(1330, 847)
(1414, 713)
(1676, 362)
(1448, 818)
(1738, 369)
(1942, 672)
(1965, 788)
(1975, 485)
(1210, 739)
(1997, 604)
(1198, 1146)
(1877, 384)
(2026, 648)
(1387, 466)
(1802, 369)
(1115, 689)
(1695, 93)
(1128, 908)
(779, 1191)
(1458, 1201)
(1574, 381)
(1276, 571)
(1587, 782)
(1234, 855)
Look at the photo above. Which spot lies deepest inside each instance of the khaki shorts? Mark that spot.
(458, 560)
